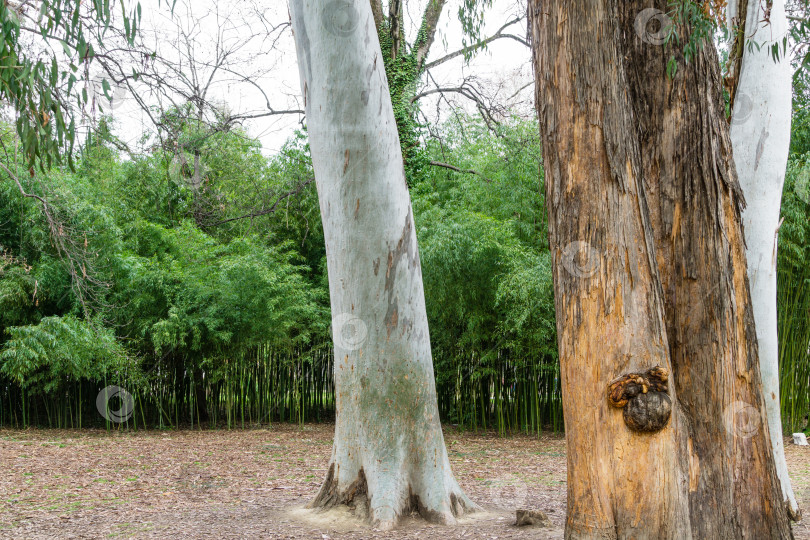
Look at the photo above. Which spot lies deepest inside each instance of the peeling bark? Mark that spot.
(389, 456)
(616, 127)
(695, 203)
(609, 309)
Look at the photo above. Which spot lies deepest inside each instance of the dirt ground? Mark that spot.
(254, 484)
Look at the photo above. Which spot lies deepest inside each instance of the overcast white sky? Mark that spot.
(506, 61)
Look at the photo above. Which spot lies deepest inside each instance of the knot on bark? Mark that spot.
(644, 398)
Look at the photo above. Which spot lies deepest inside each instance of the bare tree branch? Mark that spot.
(521, 89)
(295, 191)
(72, 251)
(497, 35)
(459, 170)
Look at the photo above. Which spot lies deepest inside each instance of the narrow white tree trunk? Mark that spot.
(389, 456)
(760, 135)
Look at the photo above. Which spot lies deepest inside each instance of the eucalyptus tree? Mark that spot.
(760, 87)
(46, 49)
(665, 419)
(389, 456)
(46, 53)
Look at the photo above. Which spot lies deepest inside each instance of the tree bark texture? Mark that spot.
(638, 169)
(389, 456)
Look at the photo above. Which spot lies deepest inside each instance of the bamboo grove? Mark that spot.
(210, 306)
(207, 318)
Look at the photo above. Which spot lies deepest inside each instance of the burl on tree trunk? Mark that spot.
(644, 398)
(650, 274)
(389, 456)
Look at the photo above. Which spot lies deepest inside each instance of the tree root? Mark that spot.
(384, 513)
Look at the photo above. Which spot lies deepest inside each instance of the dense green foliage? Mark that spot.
(189, 311)
(794, 255)
(46, 83)
(794, 295)
(487, 277)
(223, 315)
(195, 276)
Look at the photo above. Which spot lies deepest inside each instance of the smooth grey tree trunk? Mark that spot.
(760, 137)
(389, 456)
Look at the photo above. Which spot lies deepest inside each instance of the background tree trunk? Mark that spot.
(606, 103)
(760, 137)
(389, 456)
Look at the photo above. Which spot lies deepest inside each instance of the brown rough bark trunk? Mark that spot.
(695, 208)
(608, 302)
(615, 128)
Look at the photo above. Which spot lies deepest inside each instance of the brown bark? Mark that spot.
(736, 51)
(430, 22)
(377, 13)
(616, 127)
(609, 310)
(395, 12)
(695, 207)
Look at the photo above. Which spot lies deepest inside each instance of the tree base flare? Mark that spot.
(384, 513)
(794, 512)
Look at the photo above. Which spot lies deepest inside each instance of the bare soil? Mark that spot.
(255, 484)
